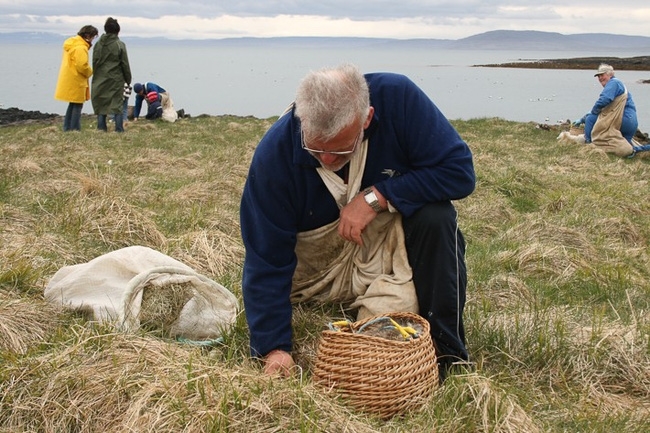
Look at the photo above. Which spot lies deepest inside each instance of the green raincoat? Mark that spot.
(111, 72)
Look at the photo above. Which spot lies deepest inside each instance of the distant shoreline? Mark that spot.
(639, 63)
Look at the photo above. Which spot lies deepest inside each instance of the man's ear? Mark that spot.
(371, 112)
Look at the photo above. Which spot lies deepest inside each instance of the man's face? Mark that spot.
(603, 79)
(338, 151)
(335, 153)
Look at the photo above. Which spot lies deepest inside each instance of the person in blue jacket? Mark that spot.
(381, 131)
(612, 88)
(151, 93)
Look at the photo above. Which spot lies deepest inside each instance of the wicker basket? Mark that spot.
(378, 375)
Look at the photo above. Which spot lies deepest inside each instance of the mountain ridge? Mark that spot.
(491, 40)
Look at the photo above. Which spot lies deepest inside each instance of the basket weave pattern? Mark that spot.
(378, 375)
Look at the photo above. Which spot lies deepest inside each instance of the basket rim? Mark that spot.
(347, 334)
(396, 314)
(351, 334)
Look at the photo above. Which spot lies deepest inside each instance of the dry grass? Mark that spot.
(557, 318)
(24, 323)
(115, 382)
(161, 306)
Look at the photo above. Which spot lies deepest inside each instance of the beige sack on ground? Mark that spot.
(111, 287)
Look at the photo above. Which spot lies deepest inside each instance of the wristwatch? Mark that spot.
(371, 198)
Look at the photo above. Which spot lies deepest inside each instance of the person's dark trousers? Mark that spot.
(117, 118)
(436, 252)
(119, 122)
(125, 109)
(72, 119)
(101, 122)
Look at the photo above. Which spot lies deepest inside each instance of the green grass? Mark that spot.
(558, 287)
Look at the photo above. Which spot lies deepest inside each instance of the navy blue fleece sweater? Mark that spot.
(415, 156)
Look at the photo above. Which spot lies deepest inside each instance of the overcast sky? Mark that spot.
(402, 19)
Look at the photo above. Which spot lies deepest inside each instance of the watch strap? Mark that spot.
(371, 198)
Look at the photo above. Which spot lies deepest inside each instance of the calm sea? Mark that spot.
(261, 81)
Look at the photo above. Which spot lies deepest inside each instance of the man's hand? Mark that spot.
(278, 362)
(355, 217)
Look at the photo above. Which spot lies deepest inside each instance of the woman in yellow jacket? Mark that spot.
(72, 85)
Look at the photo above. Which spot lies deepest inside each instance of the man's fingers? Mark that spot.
(355, 236)
(350, 234)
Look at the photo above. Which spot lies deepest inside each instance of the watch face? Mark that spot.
(371, 199)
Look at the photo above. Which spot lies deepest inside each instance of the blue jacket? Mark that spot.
(612, 89)
(148, 87)
(415, 156)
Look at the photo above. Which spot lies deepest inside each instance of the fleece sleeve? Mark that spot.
(269, 234)
(441, 165)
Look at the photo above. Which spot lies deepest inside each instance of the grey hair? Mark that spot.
(607, 69)
(330, 99)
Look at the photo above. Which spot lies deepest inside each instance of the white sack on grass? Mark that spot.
(111, 286)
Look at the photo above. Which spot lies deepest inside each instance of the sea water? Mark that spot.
(261, 81)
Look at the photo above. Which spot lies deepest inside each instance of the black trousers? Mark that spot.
(436, 252)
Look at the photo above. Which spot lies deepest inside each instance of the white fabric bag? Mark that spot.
(111, 286)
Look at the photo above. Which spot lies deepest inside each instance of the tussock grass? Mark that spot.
(24, 323)
(557, 318)
(161, 306)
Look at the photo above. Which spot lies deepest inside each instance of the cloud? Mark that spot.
(356, 10)
(440, 19)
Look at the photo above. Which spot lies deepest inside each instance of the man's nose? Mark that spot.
(328, 158)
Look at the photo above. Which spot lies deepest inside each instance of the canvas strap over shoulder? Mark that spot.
(606, 134)
(376, 278)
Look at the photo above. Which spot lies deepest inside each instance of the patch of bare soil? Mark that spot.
(16, 116)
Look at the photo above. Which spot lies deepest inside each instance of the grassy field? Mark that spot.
(557, 317)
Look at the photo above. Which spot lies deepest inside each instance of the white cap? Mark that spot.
(604, 69)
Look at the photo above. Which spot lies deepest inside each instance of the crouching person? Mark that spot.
(349, 200)
(153, 92)
(612, 121)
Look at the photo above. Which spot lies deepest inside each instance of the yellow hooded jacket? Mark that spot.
(72, 85)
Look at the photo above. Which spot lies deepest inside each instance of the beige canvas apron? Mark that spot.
(606, 134)
(376, 278)
(169, 113)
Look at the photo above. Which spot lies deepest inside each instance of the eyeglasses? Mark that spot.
(337, 152)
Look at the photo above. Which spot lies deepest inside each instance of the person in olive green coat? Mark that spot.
(111, 73)
(72, 85)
